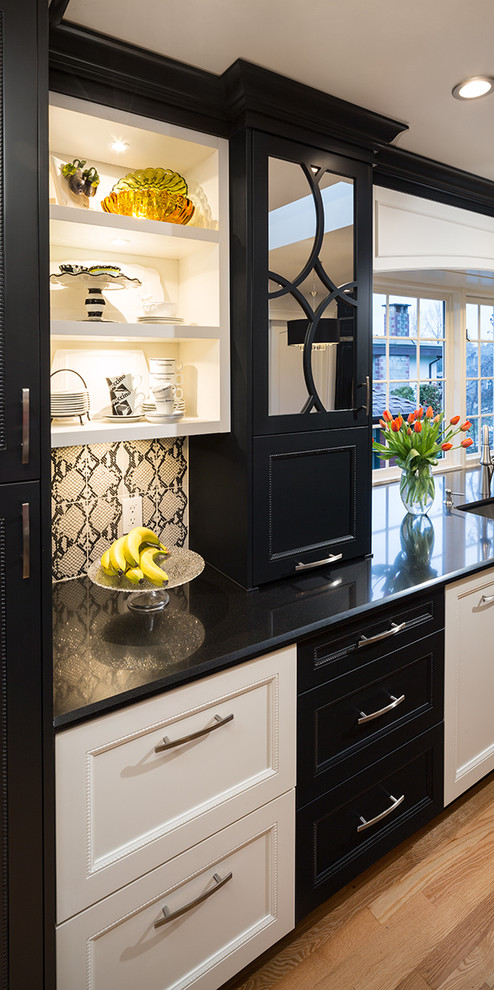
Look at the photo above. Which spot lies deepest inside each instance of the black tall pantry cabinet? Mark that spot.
(24, 453)
(289, 488)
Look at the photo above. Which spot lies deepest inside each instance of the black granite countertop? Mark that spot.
(105, 656)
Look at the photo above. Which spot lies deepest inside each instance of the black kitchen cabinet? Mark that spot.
(370, 740)
(24, 491)
(290, 487)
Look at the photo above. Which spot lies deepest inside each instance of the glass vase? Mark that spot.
(417, 490)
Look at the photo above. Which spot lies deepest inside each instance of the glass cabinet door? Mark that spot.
(313, 297)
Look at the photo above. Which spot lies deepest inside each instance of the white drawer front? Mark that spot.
(115, 944)
(122, 808)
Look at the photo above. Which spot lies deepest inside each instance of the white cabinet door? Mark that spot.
(127, 802)
(246, 872)
(469, 682)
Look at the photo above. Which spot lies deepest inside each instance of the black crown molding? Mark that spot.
(258, 97)
(419, 176)
(95, 67)
(56, 10)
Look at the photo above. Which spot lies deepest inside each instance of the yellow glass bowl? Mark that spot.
(150, 204)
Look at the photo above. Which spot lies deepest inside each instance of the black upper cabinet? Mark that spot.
(311, 271)
(290, 487)
(19, 244)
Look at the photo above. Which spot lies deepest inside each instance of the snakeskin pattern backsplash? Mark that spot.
(88, 484)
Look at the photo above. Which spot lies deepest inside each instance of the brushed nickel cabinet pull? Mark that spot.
(384, 814)
(170, 743)
(367, 641)
(192, 904)
(25, 426)
(382, 711)
(486, 599)
(367, 395)
(318, 563)
(26, 541)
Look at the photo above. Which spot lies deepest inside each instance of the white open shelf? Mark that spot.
(117, 332)
(68, 435)
(93, 230)
(187, 264)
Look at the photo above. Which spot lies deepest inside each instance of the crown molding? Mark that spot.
(420, 176)
(258, 97)
(95, 67)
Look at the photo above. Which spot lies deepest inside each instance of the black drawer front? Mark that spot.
(333, 745)
(337, 651)
(330, 850)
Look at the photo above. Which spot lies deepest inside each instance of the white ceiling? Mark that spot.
(400, 58)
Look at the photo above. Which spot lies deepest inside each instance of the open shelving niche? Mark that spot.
(187, 265)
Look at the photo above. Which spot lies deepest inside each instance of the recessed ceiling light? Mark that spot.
(120, 241)
(119, 145)
(472, 88)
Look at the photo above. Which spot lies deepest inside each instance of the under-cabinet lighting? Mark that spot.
(473, 87)
(119, 145)
(120, 241)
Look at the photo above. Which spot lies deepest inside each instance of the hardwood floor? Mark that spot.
(420, 919)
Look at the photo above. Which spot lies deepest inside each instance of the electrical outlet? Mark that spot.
(131, 513)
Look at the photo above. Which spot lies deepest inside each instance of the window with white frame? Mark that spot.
(479, 364)
(409, 357)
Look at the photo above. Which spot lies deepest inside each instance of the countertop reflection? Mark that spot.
(105, 655)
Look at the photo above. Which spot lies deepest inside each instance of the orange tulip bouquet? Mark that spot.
(415, 444)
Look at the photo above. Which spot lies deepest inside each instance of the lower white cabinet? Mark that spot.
(233, 896)
(469, 682)
(128, 801)
(184, 801)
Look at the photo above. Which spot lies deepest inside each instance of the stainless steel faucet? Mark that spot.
(486, 462)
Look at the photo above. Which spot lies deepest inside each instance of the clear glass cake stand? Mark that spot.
(180, 566)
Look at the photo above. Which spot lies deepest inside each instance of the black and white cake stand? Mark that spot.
(93, 287)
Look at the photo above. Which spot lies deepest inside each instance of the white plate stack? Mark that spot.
(66, 403)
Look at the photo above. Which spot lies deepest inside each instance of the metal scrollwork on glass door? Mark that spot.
(312, 291)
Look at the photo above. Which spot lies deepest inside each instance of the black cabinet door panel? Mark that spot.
(21, 821)
(311, 499)
(21, 173)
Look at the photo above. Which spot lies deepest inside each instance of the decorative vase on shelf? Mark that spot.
(417, 489)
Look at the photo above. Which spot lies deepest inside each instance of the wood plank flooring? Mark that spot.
(420, 919)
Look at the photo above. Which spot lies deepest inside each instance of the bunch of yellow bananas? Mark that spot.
(133, 556)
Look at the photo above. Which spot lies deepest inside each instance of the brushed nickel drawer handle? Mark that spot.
(365, 641)
(318, 563)
(486, 599)
(170, 743)
(382, 711)
(26, 542)
(197, 900)
(25, 426)
(384, 814)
